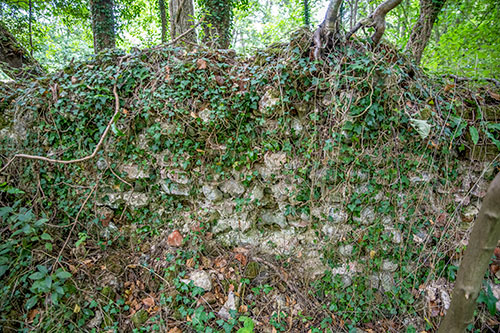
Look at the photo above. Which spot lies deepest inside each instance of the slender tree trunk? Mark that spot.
(16, 61)
(163, 17)
(483, 240)
(421, 32)
(327, 33)
(103, 24)
(30, 28)
(218, 23)
(307, 13)
(181, 19)
(354, 13)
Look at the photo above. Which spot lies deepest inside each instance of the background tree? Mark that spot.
(217, 22)
(483, 240)
(181, 19)
(421, 32)
(103, 24)
(163, 17)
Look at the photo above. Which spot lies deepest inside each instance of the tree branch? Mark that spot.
(376, 20)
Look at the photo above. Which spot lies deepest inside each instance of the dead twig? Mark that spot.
(176, 39)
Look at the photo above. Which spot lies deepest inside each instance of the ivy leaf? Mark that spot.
(421, 126)
(474, 134)
(63, 275)
(489, 299)
(46, 236)
(37, 276)
(3, 269)
(248, 325)
(31, 302)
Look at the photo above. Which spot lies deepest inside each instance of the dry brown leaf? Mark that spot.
(190, 262)
(241, 258)
(497, 252)
(201, 63)
(149, 301)
(494, 95)
(449, 87)
(32, 314)
(220, 262)
(175, 330)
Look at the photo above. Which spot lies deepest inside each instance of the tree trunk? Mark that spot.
(327, 34)
(483, 240)
(307, 13)
(217, 23)
(103, 24)
(421, 32)
(181, 19)
(15, 61)
(163, 17)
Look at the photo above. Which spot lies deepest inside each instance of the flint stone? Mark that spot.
(133, 172)
(232, 187)
(200, 279)
(275, 161)
(212, 193)
(228, 307)
(389, 266)
(337, 215)
(257, 193)
(346, 250)
(367, 216)
(274, 218)
(176, 189)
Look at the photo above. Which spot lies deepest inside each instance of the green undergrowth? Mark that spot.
(366, 117)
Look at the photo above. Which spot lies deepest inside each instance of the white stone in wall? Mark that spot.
(275, 161)
(257, 193)
(176, 189)
(232, 187)
(134, 172)
(212, 193)
(274, 218)
(337, 214)
(367, 216)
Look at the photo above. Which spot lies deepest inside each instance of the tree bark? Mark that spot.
(181, 19)
(103, 24)
(376, 20)
(163, 17)
(483, 240)
(327, 33)
(218, 23)
(16, 61)
(421, 32)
